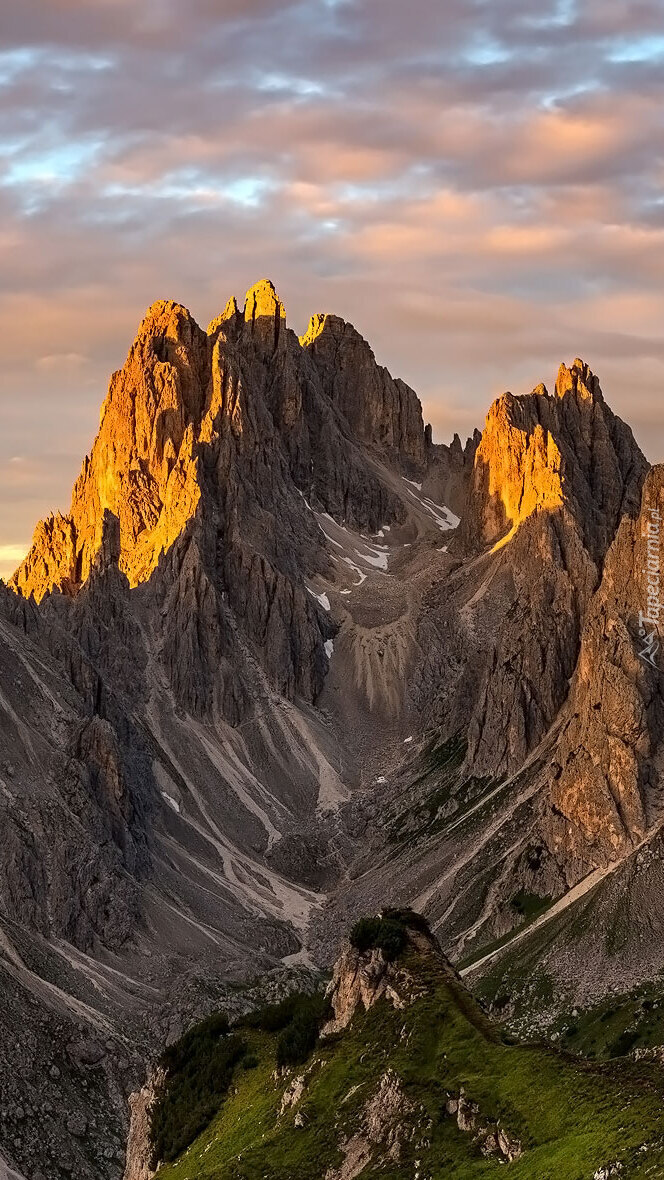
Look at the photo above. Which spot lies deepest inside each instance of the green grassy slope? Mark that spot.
(571, 1116)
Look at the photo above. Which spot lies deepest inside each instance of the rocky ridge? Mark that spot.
(427, 1087)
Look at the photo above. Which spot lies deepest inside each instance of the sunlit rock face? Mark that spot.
(544, 453)
(189, 405)
(212, 450)
(553, 475)
(142, 467)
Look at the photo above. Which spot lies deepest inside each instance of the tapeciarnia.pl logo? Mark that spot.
(650, 617)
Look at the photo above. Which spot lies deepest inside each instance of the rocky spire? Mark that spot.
(543, 453)
(266, 314)
(381, 411)
(141, 468)
(553, 477)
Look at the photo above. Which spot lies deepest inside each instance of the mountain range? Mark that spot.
(285, 662)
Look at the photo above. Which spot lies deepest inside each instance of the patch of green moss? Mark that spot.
(439, 795)
(616, 1026)
(530, 905)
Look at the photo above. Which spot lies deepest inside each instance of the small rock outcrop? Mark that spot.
(363, 979)
(490, 1136)
(293, 1093)
(138, 1165)
(387, 1123)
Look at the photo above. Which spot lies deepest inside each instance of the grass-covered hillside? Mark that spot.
(420, 1085)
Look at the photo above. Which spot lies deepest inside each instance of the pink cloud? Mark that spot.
(478, 188)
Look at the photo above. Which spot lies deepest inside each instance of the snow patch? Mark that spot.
(329, 648)
(412, 483)
(376, 557)
(381, 779)
(356, 569)
(172, 802)
(407, 740)
(443, 516)
(322, 598)
(329, 538)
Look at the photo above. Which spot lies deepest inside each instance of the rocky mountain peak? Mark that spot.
(578, 380)
(553, 477)
(269, 676)
(540, 452)
(262, 300)
(231, 313)
(380, 410)
(517, 469)
(141, 468)
(266, 314)
(177, 397)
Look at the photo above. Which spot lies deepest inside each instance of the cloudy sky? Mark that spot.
(476, 184)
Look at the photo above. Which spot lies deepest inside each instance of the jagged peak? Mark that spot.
(324, 323)
(578, 379)
(110, 548)
(230, 312)
(165, 317)
(314, 328)
(540, 451)
(262, 300)
(509, 404)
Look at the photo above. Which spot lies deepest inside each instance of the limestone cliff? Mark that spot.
(380, 411)
(142, 466)
(607, 765)
(553, 477)
(543, 453)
